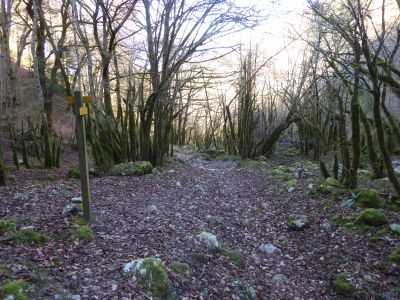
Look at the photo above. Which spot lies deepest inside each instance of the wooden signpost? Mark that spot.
(81, 111)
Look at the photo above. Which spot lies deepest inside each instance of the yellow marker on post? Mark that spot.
(87, 99)
(70, 100)
(83, 111)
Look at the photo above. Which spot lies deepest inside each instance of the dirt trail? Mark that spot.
(159, 216)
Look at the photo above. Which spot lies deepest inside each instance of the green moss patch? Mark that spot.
(394, 256)
(138, 168)
(237, 258)
(371, 217)
(8, 226)
(16, 289)
(332, 181)
(182, 270)
(28, 237)
(291, 183)
(74, 173)
(342, 286)
(84, 233)
(250, 164)
(369, 198)
(200, 258)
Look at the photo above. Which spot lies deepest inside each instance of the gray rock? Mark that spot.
(282, 240)
(268, 248)
(178, 184)
(298, 224)
(291, 189)
(23, 196)
(395, 228)
(76, 199)
(201, 191)
(326, 225)
(312, 186)
(153, 208)
(349, 203)
(245, 291)
(72, 208)
(216, 219)
(279, 278)
(210, 240)
(75, 297)
(257, 259)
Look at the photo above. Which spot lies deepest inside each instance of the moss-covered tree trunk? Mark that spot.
(355, 120)
(2, 167)
(376, 163)
(345, 177)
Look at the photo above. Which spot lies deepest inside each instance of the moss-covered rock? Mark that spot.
(342, 286)
(369, 198)
(137, 168)
(237, 258)
(394, 256)
(371, 217)
(84, 232)
(74, 173)
(152, 275)
(16, 289)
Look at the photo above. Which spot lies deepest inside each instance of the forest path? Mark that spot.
(160, 215)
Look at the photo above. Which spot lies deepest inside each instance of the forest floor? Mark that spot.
(246, 204)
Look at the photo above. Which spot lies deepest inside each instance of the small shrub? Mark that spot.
(342, 286)
(84, 233)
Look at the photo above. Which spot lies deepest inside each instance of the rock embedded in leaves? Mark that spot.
(298, 224)
(342, 286)
(77, 199)
(369, 198)
(210, 240)
(71, 209)
(268, 248)
(137, 168)
(279, 278)
(312, 186)
(245, 291)
(152, 275)
(371, 217)
(201, 191)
